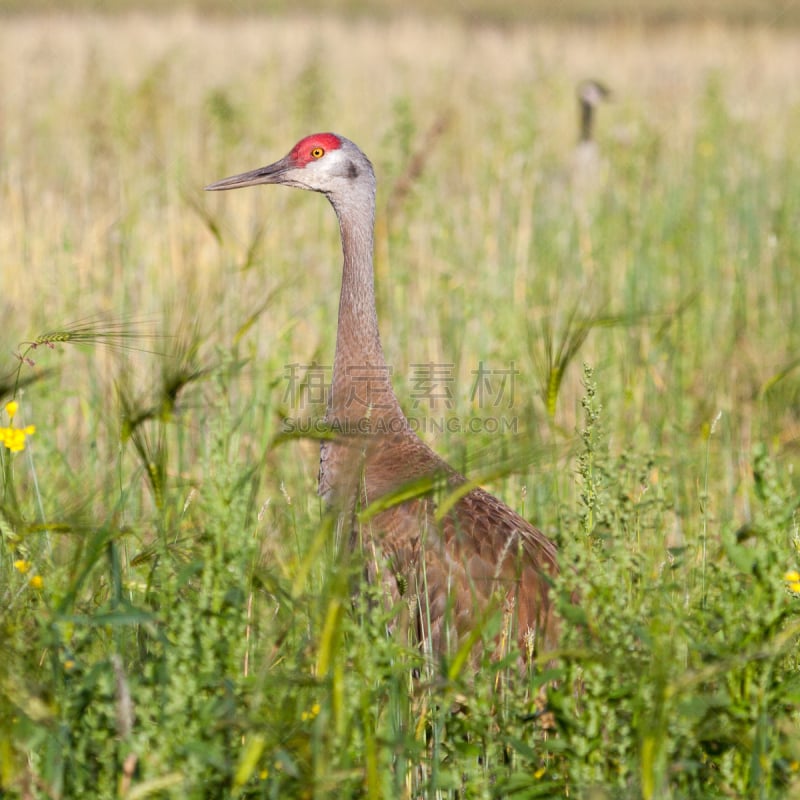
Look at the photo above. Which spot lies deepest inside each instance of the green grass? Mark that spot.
(193, 628)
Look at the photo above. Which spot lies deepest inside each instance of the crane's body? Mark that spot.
(480, 552)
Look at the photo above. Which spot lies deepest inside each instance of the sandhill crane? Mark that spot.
(590, 94)
(586, 166)
(481, 551)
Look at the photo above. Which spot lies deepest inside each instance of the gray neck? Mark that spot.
(587, 115)
(361, 387)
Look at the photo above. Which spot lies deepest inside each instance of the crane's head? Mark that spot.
(322, 162)
(591, 92)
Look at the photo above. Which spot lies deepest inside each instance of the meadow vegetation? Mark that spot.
(775, 13)
(177, 616)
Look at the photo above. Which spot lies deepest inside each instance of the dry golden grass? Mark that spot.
(69, 186)
(771, 12)
(112, 125)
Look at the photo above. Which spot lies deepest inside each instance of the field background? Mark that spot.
(176, 619)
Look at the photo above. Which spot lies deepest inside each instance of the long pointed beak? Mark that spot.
(273, 173)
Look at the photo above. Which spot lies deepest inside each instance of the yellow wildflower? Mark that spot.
(36, 582)
(706, 149)
(264, 774)
(309, 715)
(14, 438)
(22, 566)
(69, 664)
(539, 772)
(792, 578)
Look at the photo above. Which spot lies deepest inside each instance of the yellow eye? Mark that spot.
(317, 152)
